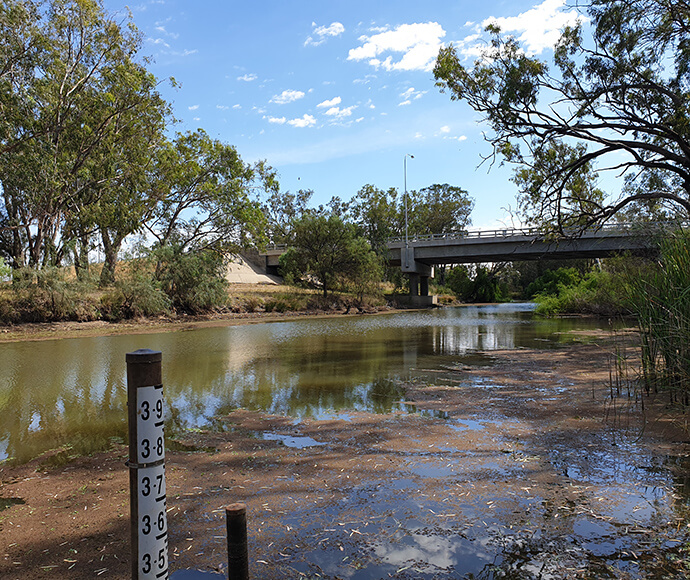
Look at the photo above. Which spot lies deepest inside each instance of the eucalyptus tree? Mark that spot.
(377, 215)
(74, 95)
(617, 95)
(281, 210)
(208, 196)
(328, 249)
(439, 209)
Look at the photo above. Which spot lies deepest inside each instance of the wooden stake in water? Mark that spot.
(149, 526)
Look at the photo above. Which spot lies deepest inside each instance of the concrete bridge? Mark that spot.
(419, 254)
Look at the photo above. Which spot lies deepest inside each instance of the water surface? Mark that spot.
(73, 391)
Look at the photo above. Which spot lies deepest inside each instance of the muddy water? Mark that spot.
(73, 391)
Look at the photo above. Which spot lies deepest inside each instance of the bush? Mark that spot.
(549, 283)
(47, 296)
(136, 294)
(194, 281)
(599, 292)
(486, 286)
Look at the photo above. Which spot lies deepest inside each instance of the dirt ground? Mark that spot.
(518, 463)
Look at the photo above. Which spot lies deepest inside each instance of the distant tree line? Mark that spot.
(343, 245)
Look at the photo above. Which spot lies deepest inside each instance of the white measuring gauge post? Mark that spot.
(147, 466)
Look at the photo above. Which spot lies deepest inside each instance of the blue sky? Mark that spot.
(333, 94)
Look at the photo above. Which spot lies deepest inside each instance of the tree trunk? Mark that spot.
(111, 249)
(81, 257)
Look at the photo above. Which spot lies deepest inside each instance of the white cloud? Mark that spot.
(305, 121)
(339, 113)
(193, 107)
(539, 28)
(248, 78)
(410, 95)
(276, 120)
(323, 32)
(222, 107)
(445, 129)
(332, 103)
(237, 106)
(287, 97)
(418, 43)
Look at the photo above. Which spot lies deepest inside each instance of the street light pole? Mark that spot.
(407, 242)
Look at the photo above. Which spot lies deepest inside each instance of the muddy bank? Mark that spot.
(58, 330)
(521, 464)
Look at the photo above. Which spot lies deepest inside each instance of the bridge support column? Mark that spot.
(414, 284)
(424, 285)
(419, 274)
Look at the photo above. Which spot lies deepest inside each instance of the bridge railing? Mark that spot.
(607, 229)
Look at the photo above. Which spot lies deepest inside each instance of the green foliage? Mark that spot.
(659, 296)
(483, 285)
(599, 292)
(47, 296)
(377, 216)
(281, 209)
(204, 196)
(194, 281)
(620, 100)
(551, 282)
(85, 157)
(439, 209)
(136, 294)
(327, 250)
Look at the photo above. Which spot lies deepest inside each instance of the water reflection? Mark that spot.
(73, 391)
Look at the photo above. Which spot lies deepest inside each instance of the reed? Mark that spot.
(659, 296)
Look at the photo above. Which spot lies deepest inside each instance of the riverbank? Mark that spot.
(248, 306)
(525, 461)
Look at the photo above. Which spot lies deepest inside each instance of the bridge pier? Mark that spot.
(419, 284)
(418, 275)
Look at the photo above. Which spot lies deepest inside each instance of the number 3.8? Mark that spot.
(146, 444)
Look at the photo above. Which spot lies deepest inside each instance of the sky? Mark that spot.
(335, 94)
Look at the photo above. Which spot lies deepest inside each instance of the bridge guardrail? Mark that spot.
(611, 229)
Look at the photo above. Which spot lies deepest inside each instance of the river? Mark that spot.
(486, 465)
(73, 391)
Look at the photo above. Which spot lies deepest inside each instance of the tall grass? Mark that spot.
(659, 296)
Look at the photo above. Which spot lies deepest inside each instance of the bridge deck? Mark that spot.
(519, 244)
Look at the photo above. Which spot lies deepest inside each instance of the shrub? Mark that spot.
(548, 284)
(599, 292)
(194, 281)
(136, 294)
(47, 296)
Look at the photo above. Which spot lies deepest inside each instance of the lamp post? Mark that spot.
(407, 242)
